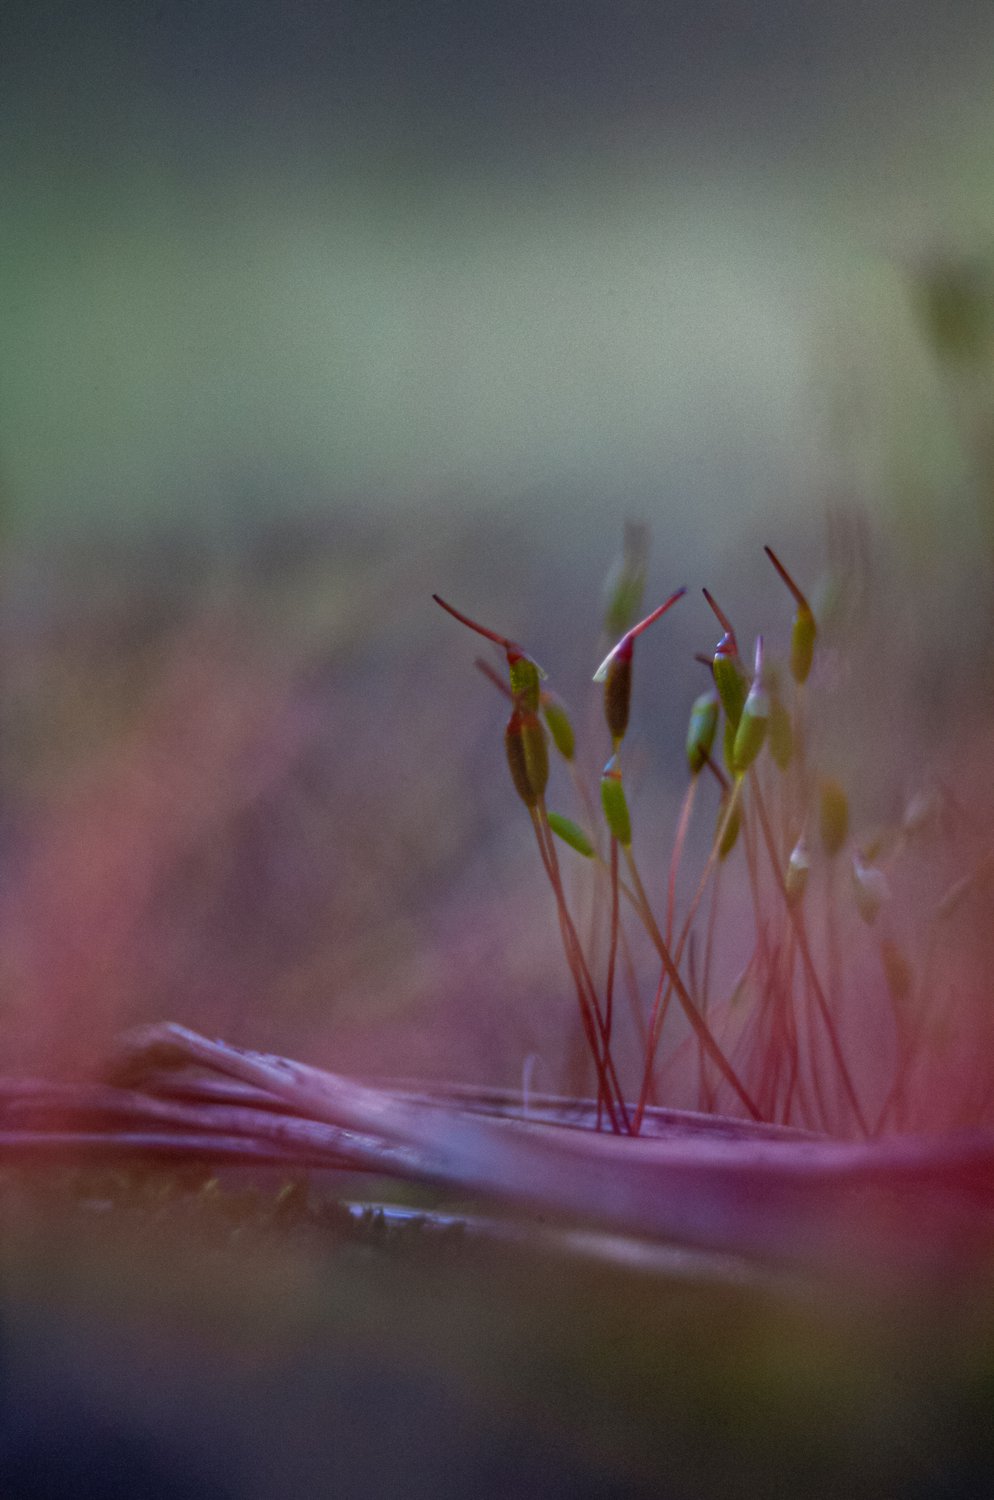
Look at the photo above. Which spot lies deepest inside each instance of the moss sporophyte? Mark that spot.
(784, 1043)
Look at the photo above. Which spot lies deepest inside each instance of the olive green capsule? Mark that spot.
(618, 693)
(701, 730)
(802, 643)
(803, 630)
(728, 746)
(525, 681)
(781, 733)
(730, 681)
(571, 833)
(615, 804)
(559, 726)
(729, 829)
(754, 720)
(798, 869)
(527, 756)
(833, 816)
(870, 889)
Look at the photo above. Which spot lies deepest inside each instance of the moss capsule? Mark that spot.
(559, 726)
(615, 804)
(527, 756)
(781, 733)
(572, 834)
(750, 732)
(701, 730)
(802, 643)
(618, 691)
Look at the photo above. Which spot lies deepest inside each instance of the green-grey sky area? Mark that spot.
(216, 310)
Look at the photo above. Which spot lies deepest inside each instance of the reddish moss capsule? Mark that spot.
(615, 671)
(615, 804)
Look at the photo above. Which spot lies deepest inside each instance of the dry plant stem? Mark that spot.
(722, 1185)
(797, 921)
(690, 1010)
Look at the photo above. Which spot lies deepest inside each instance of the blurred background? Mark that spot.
(312, 309)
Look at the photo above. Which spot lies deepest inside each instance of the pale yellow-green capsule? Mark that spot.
(833, 816)
(781, 733)
(751, 733)
(615, 804)
(731, 831)
(572, 834)
(798, 870)
(802, 643)
(729, 679)
(701, 730)
(559, 726)
(527, 756)
(804, 629)
(754, 721)
(870, 889)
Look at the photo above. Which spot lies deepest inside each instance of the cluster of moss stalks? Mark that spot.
(775, 1049)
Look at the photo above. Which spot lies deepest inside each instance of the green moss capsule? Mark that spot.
(559, 726)
(802, 643)
(615, 804)
(701, 730)
(833, 816)
(527, 756)
(803, 631)
(781, 733)
(754, 721)
(572, 834)
(729, 679)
